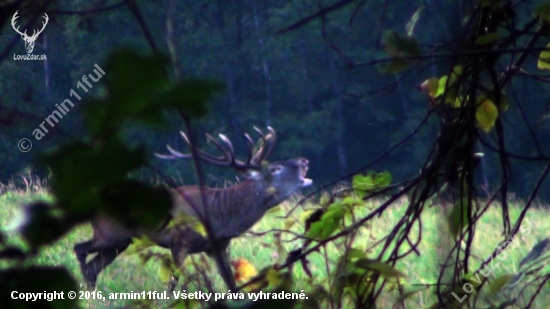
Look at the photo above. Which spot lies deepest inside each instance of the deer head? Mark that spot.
(29, 40)
(280, 178)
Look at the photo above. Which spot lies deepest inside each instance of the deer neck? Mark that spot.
(230, 211)
(249, 196)
(239, 207)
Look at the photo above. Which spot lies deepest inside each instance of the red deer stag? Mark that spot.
(228, 212)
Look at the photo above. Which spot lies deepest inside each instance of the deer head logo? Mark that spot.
(29, 40)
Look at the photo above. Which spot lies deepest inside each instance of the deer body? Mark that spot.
(227, 213)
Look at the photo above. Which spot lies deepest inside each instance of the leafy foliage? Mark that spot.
(100, 185)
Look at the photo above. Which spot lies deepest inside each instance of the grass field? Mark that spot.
(127, 273)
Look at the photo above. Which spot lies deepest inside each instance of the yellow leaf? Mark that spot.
(182, 218)
(244, 270)
(289, 223)
(430, 86)
(165, 272)
(274, 209)
(139, 244)
(544, 59)
(142, 241)
(273, 277)
(486, 115)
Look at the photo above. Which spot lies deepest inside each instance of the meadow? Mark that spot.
(262, 247)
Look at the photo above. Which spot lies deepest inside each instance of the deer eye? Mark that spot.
(275, 169)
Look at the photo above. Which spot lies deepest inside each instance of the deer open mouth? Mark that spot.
(305, 181)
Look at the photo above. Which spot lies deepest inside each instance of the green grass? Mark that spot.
(128, 273)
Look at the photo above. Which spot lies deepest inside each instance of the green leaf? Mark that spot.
(131, 202)
(132, 81)
(363, 184)
(396, 45)
(355, 253)
(329, 223)
(431, 86)
(486, 115)
(139, 244)
(130, 76)
(138, 89)
(448, 85)
(499, 282)
(441, 86)
(315, 230)
(474, 279)
(543, 10)
(504, 104)
(382, 179)
(384, 269)
(488, 38)
(42, 226)
(408, 294)
(394, 66)
(165, 272)
(100, 165)
(458, 218)
(544, 59)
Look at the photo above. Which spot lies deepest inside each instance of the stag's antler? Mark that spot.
(227, 159)
(34, 33)
(15, 16)
(44, 23)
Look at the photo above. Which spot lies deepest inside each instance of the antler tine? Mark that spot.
(256, 157)
(174, 154)
(228, 153)
(44, 23)
(266, 147)
(258, 130)
(220, 148)
(237, 164)
(250, 144)
(226, 159)
(227, 143)
(223, 160)
(13, 19)
(273, 136)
